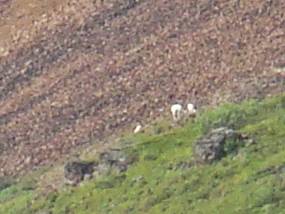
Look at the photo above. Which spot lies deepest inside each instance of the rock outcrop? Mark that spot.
(217, 144)
(114, 159)
(111, 160)
(77, 171)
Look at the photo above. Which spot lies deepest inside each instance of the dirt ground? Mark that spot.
(72, 71)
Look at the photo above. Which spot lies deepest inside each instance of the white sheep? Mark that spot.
(138, 128)
(176, 110)
(191, 110)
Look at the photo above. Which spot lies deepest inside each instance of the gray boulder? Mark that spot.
(213, 146)
(110, 160)
(76, 171)
(112, 157)
(115, 159)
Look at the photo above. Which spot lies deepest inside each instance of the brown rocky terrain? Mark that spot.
(75, 70)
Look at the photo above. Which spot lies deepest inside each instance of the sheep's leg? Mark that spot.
(178, 115)
(174, 116)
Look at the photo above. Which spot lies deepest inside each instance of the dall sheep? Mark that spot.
(176, 110)
(138, 128)
(191, 110)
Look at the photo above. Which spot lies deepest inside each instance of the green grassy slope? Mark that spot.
(251, 181)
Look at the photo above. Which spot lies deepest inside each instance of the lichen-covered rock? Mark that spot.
(112, 156)
(213, 146)
(110, 160)
(76, 171)
(116, 160)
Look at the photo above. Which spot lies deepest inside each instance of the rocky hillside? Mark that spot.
(229, 160)
(72, 71)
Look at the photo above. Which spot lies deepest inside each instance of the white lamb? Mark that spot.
(176, 110)
(138, 128)
(191, 110)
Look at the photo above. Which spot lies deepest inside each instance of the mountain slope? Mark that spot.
(92, 74)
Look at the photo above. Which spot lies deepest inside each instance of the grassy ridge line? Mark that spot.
(241, 183)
